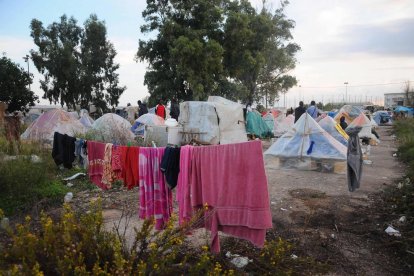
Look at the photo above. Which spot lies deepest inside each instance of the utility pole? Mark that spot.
(346, 91)
(26, 59)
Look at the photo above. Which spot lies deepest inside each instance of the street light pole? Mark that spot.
(26, 59)
(346, 91)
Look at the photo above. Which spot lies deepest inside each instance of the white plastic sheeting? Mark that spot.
(296, 143)
(285, 125)
(231, 121)
(85, 119)
(201, 120)
(350, 112)
(217, 121)
(112, 128)
(334, 129)
(365, 123)
(55, 120)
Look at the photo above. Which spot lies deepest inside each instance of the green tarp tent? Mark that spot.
(256, 125)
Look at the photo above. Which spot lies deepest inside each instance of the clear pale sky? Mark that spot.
(362, 42)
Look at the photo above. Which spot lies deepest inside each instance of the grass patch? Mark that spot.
(401, 198)
(27, 177)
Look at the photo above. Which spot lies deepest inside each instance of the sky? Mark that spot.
(367, 43)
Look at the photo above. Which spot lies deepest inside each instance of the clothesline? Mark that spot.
(230, 179)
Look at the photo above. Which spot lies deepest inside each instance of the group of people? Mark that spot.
(160, 110)
(312, 110)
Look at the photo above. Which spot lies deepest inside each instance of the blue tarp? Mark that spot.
(403, 109)
(382, 117)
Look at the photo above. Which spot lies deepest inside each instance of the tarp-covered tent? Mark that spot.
(112, 128)
(409, 111)
(382, 118)
(350, 112)
(199, 120)
(284, 126)
(217, 121)
(231, 120)
(307, 146)
(147, 119)
(256, 125)
(55, 120)
(366, 125)
(85, 119)
(334, 129)
(269, 120)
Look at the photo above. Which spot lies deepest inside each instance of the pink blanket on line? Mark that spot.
(231, 179)
(155, 198)
(183, 187)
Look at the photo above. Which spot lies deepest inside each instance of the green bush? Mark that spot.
(26, 179)
(78, 244)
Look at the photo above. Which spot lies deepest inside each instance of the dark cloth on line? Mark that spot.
(170, 165)
(63, 151)
(354, 159)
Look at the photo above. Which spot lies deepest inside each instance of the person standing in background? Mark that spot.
(142, 109)
(175, 109)
(160, 110)
(313, 110)
(299, 111)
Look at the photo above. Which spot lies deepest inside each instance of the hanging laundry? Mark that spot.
(116, 161)
(354, 159)
(170, 165)
(96, 155)
(183, 185)
(230, 179)
(130, 164)
(63, 151)
(108, 176)
(154, 196)
(78, 151)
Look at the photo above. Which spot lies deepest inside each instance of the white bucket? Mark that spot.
(175, 135)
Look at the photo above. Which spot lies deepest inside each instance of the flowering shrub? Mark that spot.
(81, 246)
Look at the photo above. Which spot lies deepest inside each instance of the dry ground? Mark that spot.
(316, 212)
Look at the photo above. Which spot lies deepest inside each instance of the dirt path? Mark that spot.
(333, 225)
(311, 209)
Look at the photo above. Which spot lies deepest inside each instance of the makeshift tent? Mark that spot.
(269, 120)
(409, 111)
(200, 122)
(366, 125)
(350, 112)
(85, 119)
(146, 120)
(216, 121)
(285, 125)
(255, 125)
(307, 146)
(334, 129)
(74, 115)
(230, 119)
(382, 118)
(112, 128)
(55, 120)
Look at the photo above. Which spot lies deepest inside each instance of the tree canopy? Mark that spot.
(222, 47)
(13, 86)
(77, 63)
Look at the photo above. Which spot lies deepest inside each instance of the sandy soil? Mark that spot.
(313, 210)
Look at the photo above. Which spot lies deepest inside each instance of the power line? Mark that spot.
(360, 85)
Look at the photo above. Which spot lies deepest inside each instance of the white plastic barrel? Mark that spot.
(175, 135)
